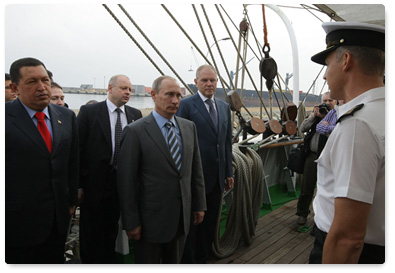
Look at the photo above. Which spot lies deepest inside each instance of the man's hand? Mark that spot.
(134, 234)
(80, 196)
(230, 182)
(198, 217)
(72, 209)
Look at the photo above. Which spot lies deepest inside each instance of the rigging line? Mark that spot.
(216, 43)
(209, 48)
(308, 8)
(154, 47)
(131, 37)
(308, 91)
(282, 97)
(244, 64)
(238, 30)
(264, 26)
(253, 32)
(189, 38)
(286, 86)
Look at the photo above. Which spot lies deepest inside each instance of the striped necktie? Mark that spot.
(118, 135)
(42, 127)
(173, 144)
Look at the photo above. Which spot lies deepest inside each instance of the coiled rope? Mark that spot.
(247, 199)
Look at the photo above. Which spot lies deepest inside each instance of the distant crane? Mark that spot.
(196, 62)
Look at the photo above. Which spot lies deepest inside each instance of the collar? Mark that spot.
(204, 98)
(32, 112)
(111, 106)
(368, 96)
(161, 121)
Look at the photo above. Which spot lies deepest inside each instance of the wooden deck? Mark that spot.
(277, 240)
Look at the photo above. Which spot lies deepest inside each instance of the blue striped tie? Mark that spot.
(173, 144)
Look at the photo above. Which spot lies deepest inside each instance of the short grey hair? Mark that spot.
(200, 68)
(114, 79)
(370, 60)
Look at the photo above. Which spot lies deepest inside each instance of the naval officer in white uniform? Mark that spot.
(350, 202)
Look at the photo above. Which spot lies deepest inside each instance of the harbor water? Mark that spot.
(75, 101)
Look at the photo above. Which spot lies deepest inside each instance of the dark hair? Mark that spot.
(50, 75)
(54, 84)
(7, 77)
(18, 64)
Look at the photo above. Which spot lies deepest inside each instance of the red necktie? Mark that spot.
(42, 127)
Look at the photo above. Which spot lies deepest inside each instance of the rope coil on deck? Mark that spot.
(247, 199)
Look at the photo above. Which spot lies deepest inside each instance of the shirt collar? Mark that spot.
(204, 98)
(368, 96)
(111, 106)
(32, 112)
(161, 121)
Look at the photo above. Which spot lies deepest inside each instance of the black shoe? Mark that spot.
(302, 220)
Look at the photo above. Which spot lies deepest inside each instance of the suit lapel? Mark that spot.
(185, 136)
(129, 115)
(24, 123)
(156, 135)
(221, 110)
(104, 121)
(57, 127)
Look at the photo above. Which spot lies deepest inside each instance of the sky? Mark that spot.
(82, 44)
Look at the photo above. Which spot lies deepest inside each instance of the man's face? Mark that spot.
(9, 95)
(207, 82)
(326, 98)
(57, 96)
(34, 87)
(119, 94)
(333, 76)
(167, 99)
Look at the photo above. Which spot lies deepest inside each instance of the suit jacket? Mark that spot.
(39, 187)
(96, 148)
(215, 145)
(152, 192)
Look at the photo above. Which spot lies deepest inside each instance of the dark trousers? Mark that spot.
(99, 227)
(200, 237)
(371, 254)
(308, 185)
(166, 253)
(49, 252)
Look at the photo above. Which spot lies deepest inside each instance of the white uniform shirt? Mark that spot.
(352, 165)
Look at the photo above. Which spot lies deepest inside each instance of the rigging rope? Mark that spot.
(156, 50)
(264, 26)
(131, 37)
(216, 43)
(244, 64)
(247, 199)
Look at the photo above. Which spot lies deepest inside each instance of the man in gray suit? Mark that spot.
(160, 182)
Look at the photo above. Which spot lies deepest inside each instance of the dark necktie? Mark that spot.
(118, 135)
(213, 113)
(173, 144)
(42, 127)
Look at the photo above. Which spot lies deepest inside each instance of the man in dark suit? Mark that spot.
(160, 178)
(100, 212)
(41, 169)
(213, 123)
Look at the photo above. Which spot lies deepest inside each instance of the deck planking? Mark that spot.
(276, 241)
